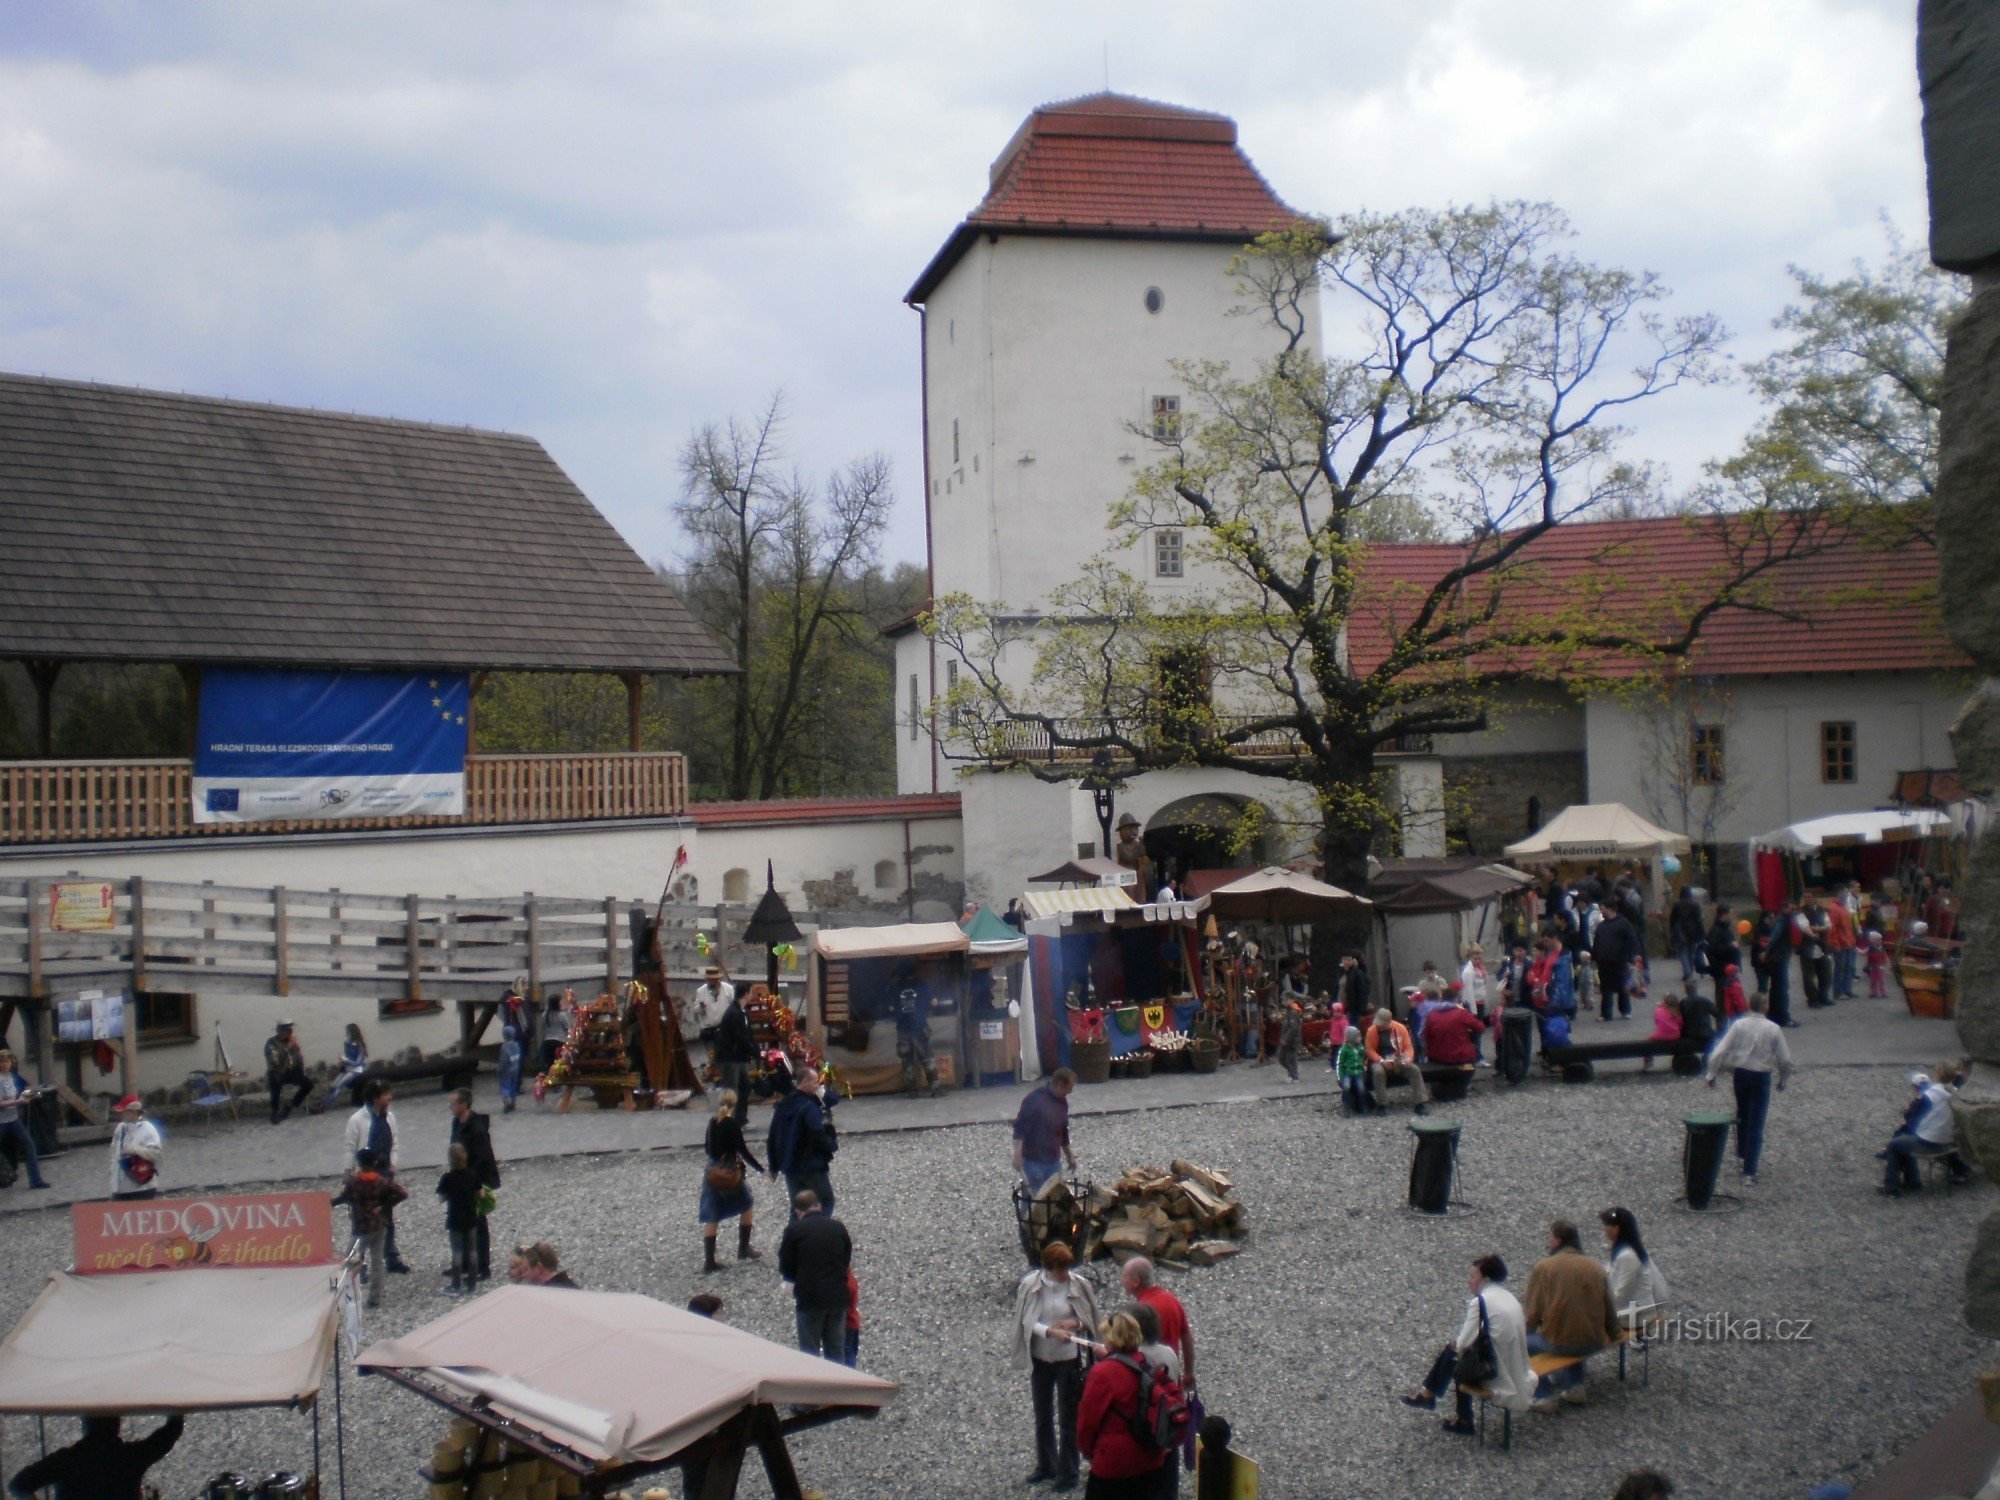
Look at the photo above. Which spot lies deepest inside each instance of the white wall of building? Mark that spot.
(1772, 744)
(1523, 718)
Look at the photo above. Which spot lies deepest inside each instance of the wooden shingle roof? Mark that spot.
(145, 526)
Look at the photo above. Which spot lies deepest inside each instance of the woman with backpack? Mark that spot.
(1110, 1421)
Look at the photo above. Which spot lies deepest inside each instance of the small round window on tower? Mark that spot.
(1155, 299)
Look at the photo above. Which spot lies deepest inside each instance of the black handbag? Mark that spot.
(1480, 1364)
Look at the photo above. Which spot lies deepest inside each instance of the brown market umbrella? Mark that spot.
(1276, 894)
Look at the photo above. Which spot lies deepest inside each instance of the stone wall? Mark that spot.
(1486, 796)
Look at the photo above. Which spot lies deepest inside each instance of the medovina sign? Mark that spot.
(174, 1234)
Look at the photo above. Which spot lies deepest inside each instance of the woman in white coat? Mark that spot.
(1050, 1303)
(1637, 1287)
(1513, 1384)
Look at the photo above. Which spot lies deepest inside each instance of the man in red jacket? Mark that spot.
(1451, 1036)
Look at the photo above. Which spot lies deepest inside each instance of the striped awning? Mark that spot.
(1099, 898)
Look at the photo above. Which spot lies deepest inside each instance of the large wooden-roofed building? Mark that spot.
(147, 527)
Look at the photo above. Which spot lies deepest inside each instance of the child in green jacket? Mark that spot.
(1350, 1066)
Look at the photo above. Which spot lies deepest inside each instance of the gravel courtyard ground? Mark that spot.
(1304, 1340)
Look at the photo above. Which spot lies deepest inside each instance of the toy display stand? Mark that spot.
(595, 1057)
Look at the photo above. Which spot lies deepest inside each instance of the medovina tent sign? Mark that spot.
(175, 1234)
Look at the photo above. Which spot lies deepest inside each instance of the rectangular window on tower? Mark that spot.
(1167, 419)
(950, 685)
(1167, 553)
(1836, 753)
(1705, 754)
(916, 708)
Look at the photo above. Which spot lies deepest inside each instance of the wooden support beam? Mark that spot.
(135, 894)
(38, 898)
(534, 915)
(635, 709)
(413, 954)
(43, 675)
(725, 1466)
(191, 700)
(777, 1457)
(611, 943)
(281, 979)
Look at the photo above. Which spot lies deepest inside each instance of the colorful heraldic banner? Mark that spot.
(176, 1234)
(309, 745)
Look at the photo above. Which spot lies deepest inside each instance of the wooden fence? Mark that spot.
(64, 801)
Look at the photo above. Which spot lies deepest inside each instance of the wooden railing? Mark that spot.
(65, 801)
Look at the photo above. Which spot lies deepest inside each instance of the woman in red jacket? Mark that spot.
(1121, 1468)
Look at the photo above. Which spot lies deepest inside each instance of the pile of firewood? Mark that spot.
(1184, 1216)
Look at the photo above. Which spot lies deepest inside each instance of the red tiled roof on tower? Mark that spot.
(1853, 606)
(1113, 165)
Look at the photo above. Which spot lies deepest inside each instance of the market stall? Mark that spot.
(851, 975)
(1282, 901)
(585, 1392)
(995, 996)
(1104, 969)
(1590, 835)
(182, 1305)
(1431, 909)
(1870, 847)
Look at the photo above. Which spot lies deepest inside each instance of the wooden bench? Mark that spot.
(1934, 1167)
(1578, 1060)
(1447, 1082)
(453, 1073)
(1544, 1365)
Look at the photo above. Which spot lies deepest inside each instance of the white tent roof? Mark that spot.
(171, 1341)
(1597, 830)
(1112, 898)
(1877, 827)
(611, 1375)
(905, 940)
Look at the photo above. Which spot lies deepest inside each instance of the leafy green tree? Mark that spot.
(1484, 386)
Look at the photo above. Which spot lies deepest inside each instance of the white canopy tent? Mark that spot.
(1592, 831)
(1879, 827)
(621, 1382)
(172, 1341)
(904, 940)
(843, 978)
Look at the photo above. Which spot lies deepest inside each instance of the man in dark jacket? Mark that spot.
(814, 1256)
(802, 1139)
(102, 1466)
(1684, 933)
(735, 1050)
(1777, 961)
(474, 1131)
(1614, 946)
(285, 1063)
(1723, 950)
(1355, 996)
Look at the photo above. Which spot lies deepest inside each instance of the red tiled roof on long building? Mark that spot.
(811, 810)
(1853, 605)
(1112, 165)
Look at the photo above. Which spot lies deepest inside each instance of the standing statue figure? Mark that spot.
(911, 1000)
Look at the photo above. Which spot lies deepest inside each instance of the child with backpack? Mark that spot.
(1350, 1066)
(369, 1197)
(1132, 1419)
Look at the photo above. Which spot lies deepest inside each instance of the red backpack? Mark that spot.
(1159, 1419)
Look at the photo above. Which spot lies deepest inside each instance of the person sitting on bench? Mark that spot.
(1451, 1037)
(1927, 1129)
(1391, 1054)
(1568, 1309)
(1513, 1384)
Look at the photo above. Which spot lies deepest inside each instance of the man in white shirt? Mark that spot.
(135, 1151)
(1927, 1128)
(704, 1019)
(1755, 1047)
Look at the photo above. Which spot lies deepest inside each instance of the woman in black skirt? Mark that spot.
(728, 1152)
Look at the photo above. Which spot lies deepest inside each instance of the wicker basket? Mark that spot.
(1203, 1054)
(1139, 1065)
(1091, 1061)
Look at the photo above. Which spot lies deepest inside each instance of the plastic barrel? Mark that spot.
(1517, 1042)
(1431, 1164)
(44, 1117)
(1701, 1157)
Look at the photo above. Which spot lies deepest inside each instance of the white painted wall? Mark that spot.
(1772, 744)
(1523, 718)
(917, 768)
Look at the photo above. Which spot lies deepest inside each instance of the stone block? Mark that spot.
(1958, 68)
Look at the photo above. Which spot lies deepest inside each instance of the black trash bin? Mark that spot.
(44, 1114)
(1432, 1164)
(1517, 1042)
(1701, 1157)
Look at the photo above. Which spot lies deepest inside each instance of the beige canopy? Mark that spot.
(171, 1341)
(1276, 894)
(613, 1376)
(905, 939)
(1598, 830)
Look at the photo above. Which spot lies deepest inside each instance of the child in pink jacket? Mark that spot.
(1666, 1024)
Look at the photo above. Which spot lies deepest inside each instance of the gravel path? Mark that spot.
(1305, 1339)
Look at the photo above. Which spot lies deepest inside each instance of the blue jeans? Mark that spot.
(15, 1133)
(1753, 1101)
(1686, 955)
(1843, 973)
(850, 1347)
(823, 1331)
(814, 1182)
(1561, 1380)
(1354, 1095)
(1039, 1172)
(1781, 992)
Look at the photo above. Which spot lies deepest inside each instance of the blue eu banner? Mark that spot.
(278, 744)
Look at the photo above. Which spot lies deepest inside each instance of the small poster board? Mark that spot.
(91, 1016)
(992, 1031)
(81, 906)
(176, 1234)
(1244, 1474)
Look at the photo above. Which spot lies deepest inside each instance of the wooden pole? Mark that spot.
(413, 956)
(44, 674)
(191, 699)
(611, 943)
(635, 704)
(535, 950)
(136, 894)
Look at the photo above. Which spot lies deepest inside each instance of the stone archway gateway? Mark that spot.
(1202, 832)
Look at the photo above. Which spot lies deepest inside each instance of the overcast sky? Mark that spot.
(603, 223)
